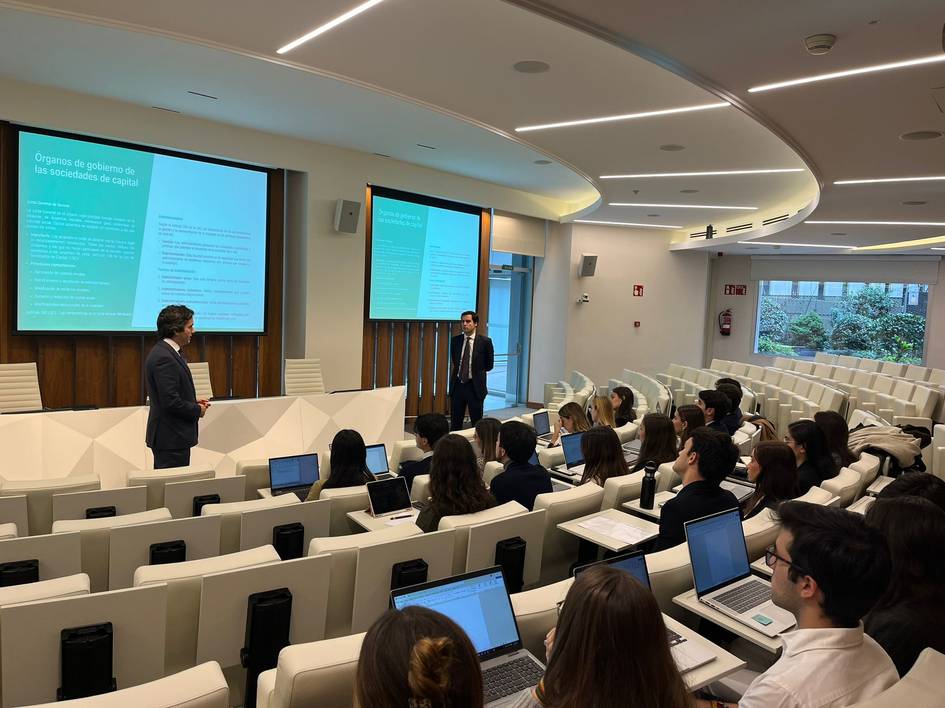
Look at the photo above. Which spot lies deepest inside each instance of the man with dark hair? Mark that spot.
(173, 409)
(715, 406)
(916, 484)
(733, 419)
(521, 481)
(428, 428)
(704, 461)
(471, 356)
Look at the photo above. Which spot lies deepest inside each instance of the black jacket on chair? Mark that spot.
(695, 500)
(483, 359)
(413, 468)
(173, 412)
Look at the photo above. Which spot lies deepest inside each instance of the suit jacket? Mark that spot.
(410, 469)
(482, 361)
(521, 482)
(695, 500)
(173, 411)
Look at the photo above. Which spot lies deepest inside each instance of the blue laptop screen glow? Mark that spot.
(542, 426)
(480, 605)
(717, 550)
(571, 446)
(295, 471)
(533, 460)
(636, 566)
(377, 459)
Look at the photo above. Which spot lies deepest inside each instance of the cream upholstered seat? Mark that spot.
(7, 531)
(199, 687)
(670, 575)
(303, 377)
(844, 485)
(343, 500)
(39, 493)
(666, 477)
(19, 388)
(461, 523)
(560, 548)
(624, 488)
(312, 674)
(232, 516)
(536, 611)
(200, 371)
(403, 451)
(13, 510)
(817, 495)
(760, 532)
(627, 432)
(868, 468)
(491, 471)
(551, 456)
(420, 488)
(256, 473)
(155, 480)
(66, 586)
(921, 687)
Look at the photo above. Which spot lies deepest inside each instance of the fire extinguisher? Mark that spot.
(725, 322)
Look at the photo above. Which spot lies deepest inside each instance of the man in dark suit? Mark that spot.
(428, 428)
(715, 406)
(174, 409)
(520, 481)
(471, 355)
(705, 460)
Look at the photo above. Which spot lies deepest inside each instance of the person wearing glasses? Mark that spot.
(830, 568)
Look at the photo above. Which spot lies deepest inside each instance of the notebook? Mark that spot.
(294, 474)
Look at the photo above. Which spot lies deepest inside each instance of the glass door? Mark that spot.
(510, 308)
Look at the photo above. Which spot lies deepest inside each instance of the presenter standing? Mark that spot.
(174, 409)
(471, 356)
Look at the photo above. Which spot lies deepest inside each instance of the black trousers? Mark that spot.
(464, 395)
(171, 458)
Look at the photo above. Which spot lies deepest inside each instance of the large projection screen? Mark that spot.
(109, 233)
(424, 257)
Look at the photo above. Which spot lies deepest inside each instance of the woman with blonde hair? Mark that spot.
(602, 411)
(571, 419)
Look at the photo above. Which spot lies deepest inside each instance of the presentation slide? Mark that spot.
(424, 260)
(109, 235)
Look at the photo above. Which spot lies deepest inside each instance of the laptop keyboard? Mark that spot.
(514, 676)
(746, 596)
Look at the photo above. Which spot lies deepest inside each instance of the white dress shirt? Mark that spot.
(174, 345)
(822, 668)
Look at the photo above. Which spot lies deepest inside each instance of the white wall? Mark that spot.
(333, 265)
(547, 352)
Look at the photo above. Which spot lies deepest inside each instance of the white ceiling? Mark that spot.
(436, 72)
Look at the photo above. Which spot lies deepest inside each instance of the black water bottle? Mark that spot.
(648, 488)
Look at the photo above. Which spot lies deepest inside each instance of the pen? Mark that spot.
(402, 516)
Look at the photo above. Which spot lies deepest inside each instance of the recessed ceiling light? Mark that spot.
(922, 135)
(688, 191)
(531, 67)
(850, 72)
(913, 202)
(321, 29)
(881, 223)
(624, 223)
(624, 116)
(672, 147)
(717, 173)
(799, 245)
(915, 243)
(929, 178)
(683, 206)
(542, 162)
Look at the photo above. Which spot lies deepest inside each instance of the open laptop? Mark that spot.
(377, 460)
(723, 578)
(479, 603)
(687, 655)
(389, 496)
(542, 425)
(294, 474)
(573, 457)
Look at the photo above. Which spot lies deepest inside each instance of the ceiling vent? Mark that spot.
(774, 219)
(740, 227)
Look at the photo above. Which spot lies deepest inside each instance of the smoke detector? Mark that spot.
(818, 44)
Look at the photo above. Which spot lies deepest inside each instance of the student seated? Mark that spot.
(658, 441)
(686, 419)
(428, 428)
(909, 617)
(603, 456)
(571, 419)
(715, 406)
(733, 419)
(773, 471)
(835, 430)
(487, 430)
(608, 649)
(707, 458)
(602, 411)
(455, 483)
(348, 464)
(417, 657)
(829, 569)
(916, 484)
(520, 481)
(814, 461)
(621, 398)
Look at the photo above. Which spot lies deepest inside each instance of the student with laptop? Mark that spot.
(571, 419)
(715, 406)
(293, 474)
(707, 458)
(417, 657)
(657, 441)
(829, 569)
(428, 428)
(774, 474)
(455, 483)
(603, 456)
(521, 481)
(541, 421)
(348, 464)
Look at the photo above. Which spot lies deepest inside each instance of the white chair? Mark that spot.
(868, 468)
(484, 538)
(560, 548)
(39, 493)
(66, 586)
(760, 532)
(200, 371)
(536, 612)
(490, 471)
(461, 524)
(628, 432)
(921, 687)
(13, 511)
(666, 477)
(403, 451)
(232, 514)
(303, 377)
(312, 674)
(670, 575)
(420, 488)
(19, 388)
(343, 500)
(624, 488)
(155, 480)
(256, 473)
(844, 485)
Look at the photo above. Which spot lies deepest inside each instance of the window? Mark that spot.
(874, 320)
(510, 306)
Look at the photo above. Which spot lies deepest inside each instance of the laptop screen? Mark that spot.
(571, 446)
(717, 550)
(478, 602)
(388, 495)
(533, 460)
(294, 471)
(377, 458)
(633, 563)
(542, 426)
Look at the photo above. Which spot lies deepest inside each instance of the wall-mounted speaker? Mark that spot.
(588, 265)
(346, 216)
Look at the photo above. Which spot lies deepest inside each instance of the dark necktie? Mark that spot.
(464, 361)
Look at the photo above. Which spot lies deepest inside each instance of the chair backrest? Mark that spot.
(179, 496)
(560, 548)
(39, 493)
(19, 388)
(892, 368)
(624, 488)
(403, 451)
(232, 516)
(922, 686)
(58, 554)
(256, 527)
(845, 485)
(75, 505)
(536, 612)
(760, 532)
(817, 495)
(200, 371)
(420, 488)
(551, 456)
(7, 531)
(303, 377)
(315, 674)
(13, 511)
(670, 575)
(462, 523)
(484, 537)
(869, 364)
(155, 480)
(490, 471)
(917, 373)
(66, 586)
(626, 433)
(666, 477)
(343, 500)
(256, 473)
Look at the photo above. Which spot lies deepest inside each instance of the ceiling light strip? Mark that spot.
(682, 206)
(624, 223)
(879, 223)
(795, 245)
(930, 178)
(353, 12)
(915, 243)
(625, 116)
(850, 72)
(714, 173)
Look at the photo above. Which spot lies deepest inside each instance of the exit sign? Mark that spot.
(732, 289)
(637, 291)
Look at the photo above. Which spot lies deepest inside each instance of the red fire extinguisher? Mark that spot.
(725, 322)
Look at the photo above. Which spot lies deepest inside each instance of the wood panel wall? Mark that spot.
(414, 353)
(98, 370)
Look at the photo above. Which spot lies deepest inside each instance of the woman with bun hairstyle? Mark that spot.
(417, 658)
(686, 419)
(622, 399)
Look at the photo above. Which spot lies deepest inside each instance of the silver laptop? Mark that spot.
(573, 457)
(723, 578)
(389, 496)
(542, 425)
(687, 655)
(294, 474)
(377, 460)
(479, 603)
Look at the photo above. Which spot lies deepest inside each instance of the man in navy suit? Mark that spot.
(471, 356)
(174, 409)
